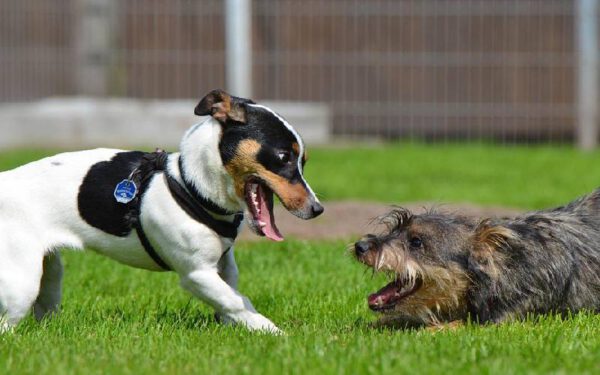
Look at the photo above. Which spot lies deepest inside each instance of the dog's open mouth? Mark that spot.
(393, 293)
(259, 199)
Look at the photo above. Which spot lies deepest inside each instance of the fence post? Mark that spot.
(96, 22)
(587, 73)
(238, 47)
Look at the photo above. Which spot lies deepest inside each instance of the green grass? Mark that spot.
(516, 176)
(118, 320)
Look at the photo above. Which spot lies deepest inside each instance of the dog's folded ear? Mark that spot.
(490, 246)
(222, 107)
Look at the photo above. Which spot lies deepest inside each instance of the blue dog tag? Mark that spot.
(125, 191)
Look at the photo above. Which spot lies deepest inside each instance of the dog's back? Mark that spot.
(551, 261)
(41, 198)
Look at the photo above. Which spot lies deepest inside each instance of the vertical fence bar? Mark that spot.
(587, 89)
(93, 44)
(238, 40)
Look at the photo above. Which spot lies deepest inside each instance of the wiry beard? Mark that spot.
(440, 294)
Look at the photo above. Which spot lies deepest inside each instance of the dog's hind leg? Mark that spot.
(20, 274)
(48, 299)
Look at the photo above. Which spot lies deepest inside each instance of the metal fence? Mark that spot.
(433, 69)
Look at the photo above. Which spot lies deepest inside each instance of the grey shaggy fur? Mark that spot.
(549, 261)
(492, 270)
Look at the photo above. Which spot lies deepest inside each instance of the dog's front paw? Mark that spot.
(252, 321)
(258, 322)
(449, 326)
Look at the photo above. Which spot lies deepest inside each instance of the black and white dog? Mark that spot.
(157, 211)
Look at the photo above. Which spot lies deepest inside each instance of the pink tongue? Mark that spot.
(270, 229)
(383, 296)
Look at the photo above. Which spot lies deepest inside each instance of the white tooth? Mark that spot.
(262, 223)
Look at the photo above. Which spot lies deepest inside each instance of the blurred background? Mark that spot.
(87, 72)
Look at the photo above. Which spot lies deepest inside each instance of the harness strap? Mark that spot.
(192, 204)
(193, 208)
(150, 164)
(149, 248)
(199, 198)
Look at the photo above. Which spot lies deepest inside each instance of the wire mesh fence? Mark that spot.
(433, 69)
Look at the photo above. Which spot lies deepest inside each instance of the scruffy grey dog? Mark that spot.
(447, 267)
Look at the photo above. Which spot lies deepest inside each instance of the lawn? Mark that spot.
(118, 320)
(515, 176)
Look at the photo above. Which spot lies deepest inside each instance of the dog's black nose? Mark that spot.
(317, 209)
(361, 247)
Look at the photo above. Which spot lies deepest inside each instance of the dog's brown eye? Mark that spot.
(283, 157)
(415, 242)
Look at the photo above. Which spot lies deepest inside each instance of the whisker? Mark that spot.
(379, 261)
(350, 248)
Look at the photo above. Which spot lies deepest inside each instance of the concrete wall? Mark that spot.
(84, 122)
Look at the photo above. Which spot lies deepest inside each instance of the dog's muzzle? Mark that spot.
(316, 209)
(309, 211)
(361, 248)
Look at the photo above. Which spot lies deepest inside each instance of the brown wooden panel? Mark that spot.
(388, 68)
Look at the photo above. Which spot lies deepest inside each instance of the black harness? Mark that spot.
(188, 198)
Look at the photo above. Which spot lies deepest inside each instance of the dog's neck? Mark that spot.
(202, 166)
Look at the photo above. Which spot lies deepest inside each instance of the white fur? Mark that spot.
(39, 215)
(203, 166)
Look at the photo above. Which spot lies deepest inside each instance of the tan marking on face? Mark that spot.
(221, 109)
(369, 258)
(443, 294)
(384, 259)
(293, 196)
(244, 164)
(296, 148)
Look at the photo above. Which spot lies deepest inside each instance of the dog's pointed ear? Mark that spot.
(222, 107)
